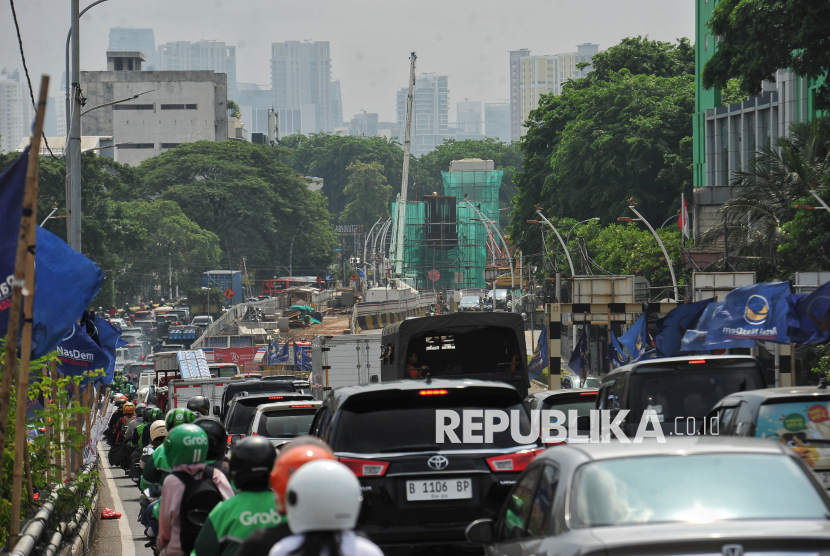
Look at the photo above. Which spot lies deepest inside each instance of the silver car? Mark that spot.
(280, 422)
(689, 495)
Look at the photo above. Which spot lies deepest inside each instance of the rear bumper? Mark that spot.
(417, 535)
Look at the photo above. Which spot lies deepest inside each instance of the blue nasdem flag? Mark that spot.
(615, 352)
(12, 186)
(810, 317)
(65, 284)
(758, 312)
(539, 361)
(302, 358)
(77, 353)
(579, 360)
(697, 339)
(280, 357)
(109, 338)
(636, 339)
(672, 327)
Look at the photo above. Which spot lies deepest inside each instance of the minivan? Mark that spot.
(682, 389)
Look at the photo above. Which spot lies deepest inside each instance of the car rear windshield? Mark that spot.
(135, 351)
(402, 421)
(286, 423)
(697, 488)
(582, 403)
(691, 393)
(802, 425)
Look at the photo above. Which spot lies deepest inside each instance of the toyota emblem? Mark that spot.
(438, 463)
(732, 550)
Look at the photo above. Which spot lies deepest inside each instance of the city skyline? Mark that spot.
(470, 41)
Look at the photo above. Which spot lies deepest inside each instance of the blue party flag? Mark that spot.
(539, 361)
(636, 339)
(672, 327)
(809, 321)
(758, 312)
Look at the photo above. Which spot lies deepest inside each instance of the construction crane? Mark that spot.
(400, 223)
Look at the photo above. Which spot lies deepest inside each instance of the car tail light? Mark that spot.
(229, 439)
(432, 392)
(275, 397)
(365, 467)
(588, 394)
(309, 405)
(697, 361)
(513, 462)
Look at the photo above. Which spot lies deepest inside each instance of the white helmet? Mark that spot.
(158, 430)
(323, 495)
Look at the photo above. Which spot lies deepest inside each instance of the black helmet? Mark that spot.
(199, 404)
(120, 403)
(217, 437)
(251, 461)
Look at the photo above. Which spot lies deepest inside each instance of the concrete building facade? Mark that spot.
(497, 120)
(182, 107)
(16, 112)
(203, 55)
(301, 80)
(135, 40)
(727, 137)
(532, 76)
(431, 112)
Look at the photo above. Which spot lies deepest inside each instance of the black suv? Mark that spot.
(417, 491)
(253, 387)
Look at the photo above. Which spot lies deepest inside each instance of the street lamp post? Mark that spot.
(498, 233)
(365, 247)
(291, 251)
(568, 237)
(561, 241)
(659, 242)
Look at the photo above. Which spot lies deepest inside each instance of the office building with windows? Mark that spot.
(16, 112)
(431, 112)
(301, 84)
(135, 40)
(215, 56)
(497, 120)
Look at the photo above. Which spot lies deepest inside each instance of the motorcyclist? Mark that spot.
(185, 446)
(217, 444)
(253, 507)
(158, 432)
(323, 502)
(293, 455)
(135, 423)
(199, 404)
(153, 414)
(157, 468)
(121, 427)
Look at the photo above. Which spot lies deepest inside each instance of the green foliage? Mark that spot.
(807, 243)
(250, 200)
(234, 107)
(368, 193)
(761, 36)
(611, 136)
(200, 296)
(328, 156)
(733, 92)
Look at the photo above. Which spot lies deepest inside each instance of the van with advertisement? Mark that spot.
(676, 389)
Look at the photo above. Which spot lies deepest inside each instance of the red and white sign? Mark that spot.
(238, 356)
(434, 275)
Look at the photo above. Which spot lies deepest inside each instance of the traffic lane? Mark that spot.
(124, 536)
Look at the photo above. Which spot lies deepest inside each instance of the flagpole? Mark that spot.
(24, 268)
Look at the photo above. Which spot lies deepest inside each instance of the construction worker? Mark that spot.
(186, 446)
(253, 507)
(323, 502)
(293, 455)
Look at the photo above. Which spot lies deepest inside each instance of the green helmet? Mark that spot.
(178, 416)
(155, 414)
(186, 444)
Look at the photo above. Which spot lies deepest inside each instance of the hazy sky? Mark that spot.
(468, 40)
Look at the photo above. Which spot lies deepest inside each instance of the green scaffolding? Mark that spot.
(462, 264)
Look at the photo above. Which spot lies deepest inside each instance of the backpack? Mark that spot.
(199, 498)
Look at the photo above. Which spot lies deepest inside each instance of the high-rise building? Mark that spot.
(202, 55)
(726, 137)
(497, 120)
(431, 109)
(469, 118)
(301, 80)
(336, 104)
(532, 76)
(16, 113)
(135, 40)
(363, 125)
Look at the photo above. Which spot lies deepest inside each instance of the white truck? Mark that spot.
(179, 390)
(346, 360)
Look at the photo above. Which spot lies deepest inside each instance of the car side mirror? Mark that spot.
(216, 410)
(480, 531)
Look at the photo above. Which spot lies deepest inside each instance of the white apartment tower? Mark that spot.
(301, 84)
(202, 55)
(431, 112)
(16, 113)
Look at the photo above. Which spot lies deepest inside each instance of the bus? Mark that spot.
(274, 286)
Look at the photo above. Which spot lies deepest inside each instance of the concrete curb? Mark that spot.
(82, 540)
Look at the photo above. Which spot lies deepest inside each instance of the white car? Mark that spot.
(280, 422)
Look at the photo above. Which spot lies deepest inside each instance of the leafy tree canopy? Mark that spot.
(368, 193)
(642, 56)
(759, 37)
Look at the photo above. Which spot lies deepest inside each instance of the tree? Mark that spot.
(328, 156)
(610, 136)
(166, 240)
(807, 243)
(759, 37)
(251, 201)
(772, 183)
(369, 195)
